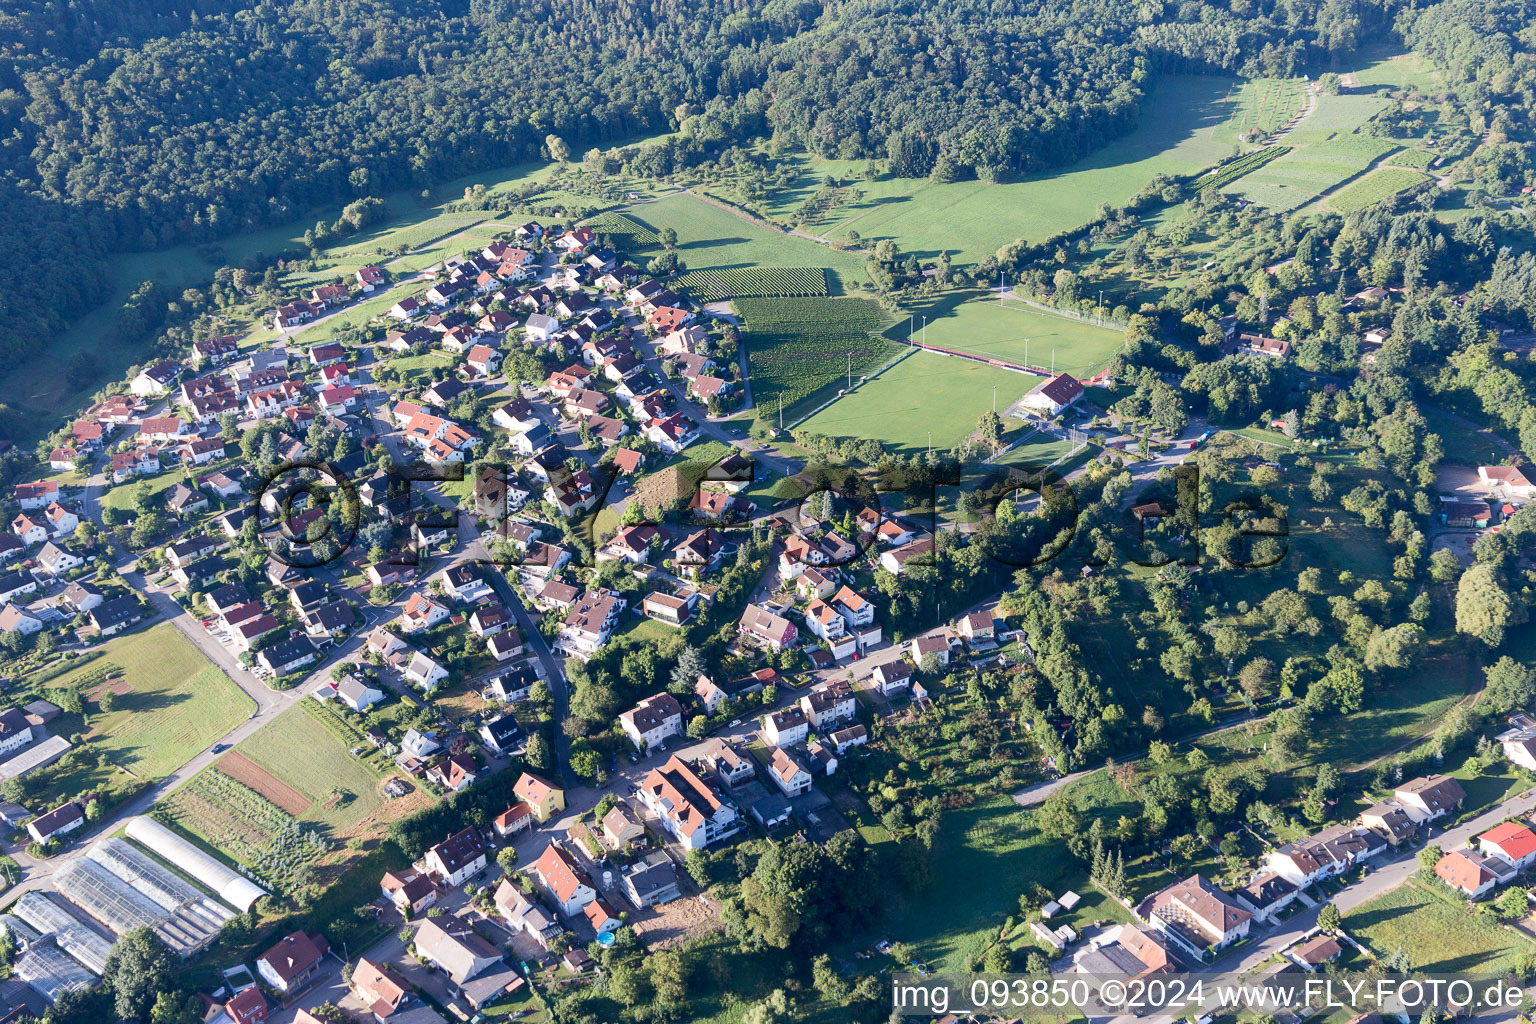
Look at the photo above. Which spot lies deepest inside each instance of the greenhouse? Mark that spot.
(107, 898)
(143, 872)
(73, 935)
(238, 892)
(16, 928)
(49, 971)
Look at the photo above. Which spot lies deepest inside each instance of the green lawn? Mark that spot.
(1178, 135)
(986, 857)
(1438, 932)
(302, 752)
(177, 703)
(1017, 333)
(712, 238)
(921, 394)
(1397, 71)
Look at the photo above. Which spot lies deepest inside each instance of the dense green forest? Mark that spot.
(145, 123)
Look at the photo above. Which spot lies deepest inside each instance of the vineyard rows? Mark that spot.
(629, 235)
(754, 282)
(1243, 165)
(798, 347)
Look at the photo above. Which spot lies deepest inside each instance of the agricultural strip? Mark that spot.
(800, 349)
(252, 775)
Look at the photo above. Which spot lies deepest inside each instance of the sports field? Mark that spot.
(1011, 332)
(971, 219)
(300, 751)
(169, 703)
(921, 394)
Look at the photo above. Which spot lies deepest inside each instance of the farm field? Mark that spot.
(1325, 152)
(710, 238)
(300, 752)
(798, 349)
(1178, 135)
(1437, 933)
(169, 703)
(985, 327)
(922, 393)
(1380, 184)
(1263, 106)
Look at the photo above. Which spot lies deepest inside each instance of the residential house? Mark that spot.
(1514, 842)
(1471, 873)
(762, 626)
(501, 734)
(287, 656)
(651, 882)
(895, 560)
(379, 988)
(620, 827)
(505, 645)
(653, 721)
(457, 859)
(515, 819)
(828, 704)
(690, 809)
(1266, 895)
(786, 726)
(976, 627)
(892, 677)
(1429, 797)
(844, 740)
(454, 772)
(543, 797)
(424, 673)
(421, 612)
(1196, 915)
(788, 773)
(562, 877)
(60, 821)
(589, 622)
(523, 915)
(356, 694)
(673, 609)
(112, 617)
(1390, 820)
(293, 963)
(473, 967)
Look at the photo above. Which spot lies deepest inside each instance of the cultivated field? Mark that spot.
(253, 776)
(922, 393)
(170, 703)
(1326, 150)
(800, 348)
(1382, 183)
(1264, 105)
(987, 328)
(301, 752)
